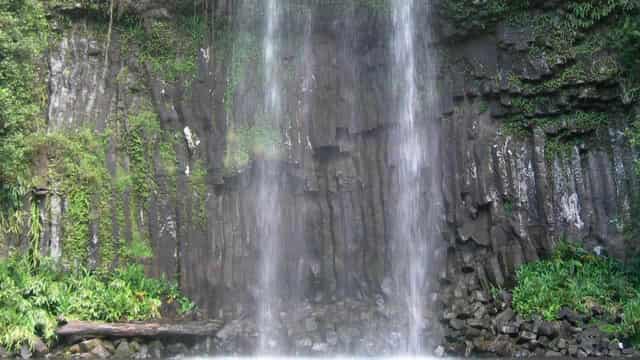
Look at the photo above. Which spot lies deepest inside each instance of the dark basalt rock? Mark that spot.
(457, 324)
(123, 350)
(507, 334)
(504, 317)
(156, 349)
(505, 204)
(39, 347)
(506, 198)
(100, 352)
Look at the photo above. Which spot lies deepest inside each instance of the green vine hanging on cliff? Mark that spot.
(23, 39)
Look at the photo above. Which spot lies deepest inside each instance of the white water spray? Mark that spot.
(268, 206)
(416, 215)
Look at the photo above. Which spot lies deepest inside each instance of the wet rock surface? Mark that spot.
(500, 332)
(507, 198)
(366, 329)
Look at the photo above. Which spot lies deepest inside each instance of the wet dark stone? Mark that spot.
(457, 324)
(156, 348)
(25, 352)
(528, 336)
(505, 316)
(509, 329)
(176, 348)
(123, 350)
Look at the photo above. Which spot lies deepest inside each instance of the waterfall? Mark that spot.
(416, 215)
(413, 147)
(268, 206)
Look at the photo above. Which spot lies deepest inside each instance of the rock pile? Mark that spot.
(482, 325)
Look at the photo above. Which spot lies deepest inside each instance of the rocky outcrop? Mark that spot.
(537, 149)
(509, 195)
(483, 325)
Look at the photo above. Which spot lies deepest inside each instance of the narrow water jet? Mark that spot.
(415, 148)
(268, 205)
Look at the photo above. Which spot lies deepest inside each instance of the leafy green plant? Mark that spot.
(23, 38)
(33, 296)
(578, 279)
(142, 135)
(170, 48)
(631, 319)
(495, 292)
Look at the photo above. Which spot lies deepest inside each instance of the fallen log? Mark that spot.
(130, 330)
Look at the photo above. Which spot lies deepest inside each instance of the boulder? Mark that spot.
(573, 350)
(569, 315)
(526, 336)
(109, 346)
(75, 349)
(448, 315)
(177, 348)
(123, 350)
(25, 352)
(89, 345)
(504, 317)
(481, 296)
(471, 332)
(100, 352)
(457, 324)
(143, 353)
(39, 347)
(615, 344)
(480, 311)
(230, 330)
(506, 297)
(615, 353)
(522, 353)
(562, 344)
(509, 330)
(479, 323)
(462, 309)
(582, 353)
(134, 346)
(548, 329)
(502, 346)
(156, 348)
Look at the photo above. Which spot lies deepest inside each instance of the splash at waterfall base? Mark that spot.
(473, 324)
(346, 327)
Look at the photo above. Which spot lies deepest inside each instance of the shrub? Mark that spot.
(32, 297)
(577, 279)
(631, 319)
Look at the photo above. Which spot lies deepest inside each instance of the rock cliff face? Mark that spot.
(511, 190)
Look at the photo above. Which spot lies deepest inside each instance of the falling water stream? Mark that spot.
(409, 245)
(415, 148)
(268, 205)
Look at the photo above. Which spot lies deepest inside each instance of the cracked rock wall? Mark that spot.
(508, 199)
